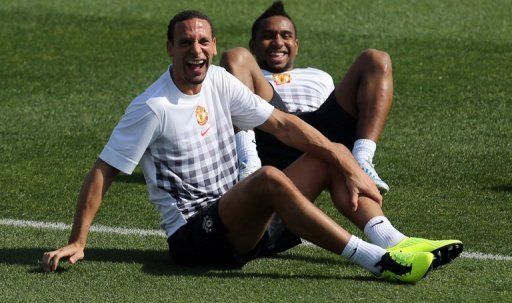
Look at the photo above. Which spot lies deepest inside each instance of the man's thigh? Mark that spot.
(254, 229)
(204, 241)
(244, 211)
(310, 176)
(248, 207)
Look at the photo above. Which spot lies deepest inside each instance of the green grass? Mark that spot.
(69, 70)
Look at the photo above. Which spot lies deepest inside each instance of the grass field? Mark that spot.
(69, 69)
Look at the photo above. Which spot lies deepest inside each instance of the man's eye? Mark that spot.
(268, 36)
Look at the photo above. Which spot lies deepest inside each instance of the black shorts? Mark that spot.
(330, 119)
(202, 241)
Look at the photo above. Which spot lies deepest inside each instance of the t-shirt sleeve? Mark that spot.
(248, 110)
(131, 137)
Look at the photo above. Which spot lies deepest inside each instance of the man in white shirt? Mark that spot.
(354, 112)
(180, 130)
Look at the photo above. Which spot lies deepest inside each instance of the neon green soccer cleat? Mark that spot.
(399, 266)
(444, 251)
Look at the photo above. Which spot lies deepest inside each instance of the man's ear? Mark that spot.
(170, 48)
(297, 49)
(214, 40)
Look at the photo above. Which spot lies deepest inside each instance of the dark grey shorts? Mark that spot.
(203, 241)
(330, 119)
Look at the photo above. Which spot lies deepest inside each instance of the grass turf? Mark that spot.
(69, 70)
(120, 268)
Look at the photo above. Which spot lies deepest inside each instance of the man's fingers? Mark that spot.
(50, 260)
(353, 200)
(376, 196)
(55, 260)
(47, 256)
(74, 258)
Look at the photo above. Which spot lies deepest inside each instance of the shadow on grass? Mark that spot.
(501, 188)
(157, 262)
(137, 178)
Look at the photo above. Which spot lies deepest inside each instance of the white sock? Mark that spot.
(246, 148)
(364, 149)
(382, 233)
(363, 254)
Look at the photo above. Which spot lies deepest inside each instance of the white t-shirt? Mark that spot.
(301, 89)
(185, 143)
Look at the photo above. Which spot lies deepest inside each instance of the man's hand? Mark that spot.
(360, 184)
(296, 133)
(94, 187)
(73, 252)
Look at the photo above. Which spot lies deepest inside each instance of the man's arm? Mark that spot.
(93, 189)
(296, 133)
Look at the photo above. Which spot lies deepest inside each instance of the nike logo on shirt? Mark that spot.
(203, 132)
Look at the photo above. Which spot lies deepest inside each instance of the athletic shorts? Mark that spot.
(202, 241)
(330, 119)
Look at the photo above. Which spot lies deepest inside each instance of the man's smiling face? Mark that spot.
(275, 45)
(192, 51)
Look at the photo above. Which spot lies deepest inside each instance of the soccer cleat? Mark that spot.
(246, 169)
(444, 251)
(399, 266)
(368, 167)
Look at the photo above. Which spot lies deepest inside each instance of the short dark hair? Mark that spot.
(186, 15)
(276, 9)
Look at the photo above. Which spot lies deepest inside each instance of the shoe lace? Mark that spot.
(369, 172)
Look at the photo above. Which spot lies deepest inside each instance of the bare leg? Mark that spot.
(325, 177)
(247, 208)
(246, 211)
(366, 92)
(240, 63)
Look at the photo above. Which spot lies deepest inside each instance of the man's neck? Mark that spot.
(278, 72)
(183, 86)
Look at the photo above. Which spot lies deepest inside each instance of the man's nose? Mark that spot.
(278, 40)
(196, 48)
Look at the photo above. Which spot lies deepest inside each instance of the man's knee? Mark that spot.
(235, 57)
(376, 61)
(269, 180)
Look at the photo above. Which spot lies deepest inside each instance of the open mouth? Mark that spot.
(196, 65)
(277, 54)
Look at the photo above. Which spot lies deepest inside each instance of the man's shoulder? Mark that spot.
(154, 97)
(313, 76)
(217, 75)
(216, 68)
(215, 71)
(219, 79)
